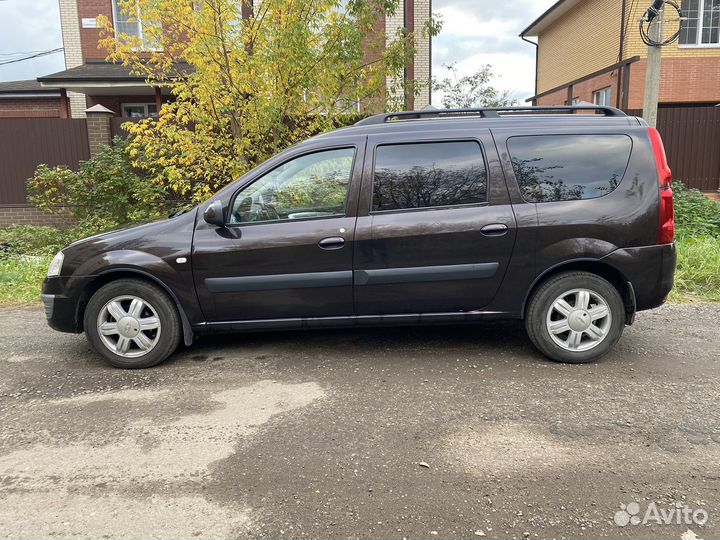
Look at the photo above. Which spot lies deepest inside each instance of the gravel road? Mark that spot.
(436, 432)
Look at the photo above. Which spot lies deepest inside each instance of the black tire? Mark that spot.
(168, 333)
(542, 300)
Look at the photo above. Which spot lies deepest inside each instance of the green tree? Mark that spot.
(471, 90)
(256, 78)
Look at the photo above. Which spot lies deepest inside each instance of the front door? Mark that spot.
(435, 227)
(286, 250)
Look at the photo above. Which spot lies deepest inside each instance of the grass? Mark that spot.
(21, 278)
(698, 271)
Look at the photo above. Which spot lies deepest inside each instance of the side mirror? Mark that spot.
(214, 214)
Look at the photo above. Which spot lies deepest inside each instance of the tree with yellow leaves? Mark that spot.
(249, 79)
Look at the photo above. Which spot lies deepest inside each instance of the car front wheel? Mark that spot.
(132, 324)
(575, 317)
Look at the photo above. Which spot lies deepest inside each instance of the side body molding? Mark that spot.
(279, 281)
(419, 274)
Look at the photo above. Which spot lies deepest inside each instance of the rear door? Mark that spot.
(435, 228)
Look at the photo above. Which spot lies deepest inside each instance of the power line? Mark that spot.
(36, 55)
(19, 53)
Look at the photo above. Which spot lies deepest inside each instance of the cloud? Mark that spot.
(30, 26)
(480, 32)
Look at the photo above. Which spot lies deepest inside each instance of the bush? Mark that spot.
(695, 214)
(32, 240)
(105, 193)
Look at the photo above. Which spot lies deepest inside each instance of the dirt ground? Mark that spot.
(437, 432)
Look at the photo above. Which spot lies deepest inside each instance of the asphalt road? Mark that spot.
(326, 434)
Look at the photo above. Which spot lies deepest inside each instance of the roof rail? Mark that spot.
(485, 112)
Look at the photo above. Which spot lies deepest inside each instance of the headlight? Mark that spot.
(56, 265)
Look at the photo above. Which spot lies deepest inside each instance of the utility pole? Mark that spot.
(652, 77)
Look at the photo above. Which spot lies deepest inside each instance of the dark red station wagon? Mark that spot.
(562, 217)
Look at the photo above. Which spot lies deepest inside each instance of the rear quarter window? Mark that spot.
(553, 168)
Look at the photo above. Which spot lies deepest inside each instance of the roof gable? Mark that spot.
(544, 21)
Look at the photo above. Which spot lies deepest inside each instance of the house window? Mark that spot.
(603, 97)
(128, 24)
(139, 110)
(701, 24)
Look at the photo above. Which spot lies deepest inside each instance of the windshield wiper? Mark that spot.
(179, 213)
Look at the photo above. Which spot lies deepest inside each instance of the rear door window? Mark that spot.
(428, 175)
(552, 168)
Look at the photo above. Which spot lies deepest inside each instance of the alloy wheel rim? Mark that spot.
(579, 320)
(129, 326)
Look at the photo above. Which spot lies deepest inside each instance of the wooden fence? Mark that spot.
(25, 143)
(692, 142)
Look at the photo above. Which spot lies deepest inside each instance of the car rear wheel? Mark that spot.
(132, 324)
(575, 317)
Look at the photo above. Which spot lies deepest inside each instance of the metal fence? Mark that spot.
(116, 123)
(692, 142)
(25, 143)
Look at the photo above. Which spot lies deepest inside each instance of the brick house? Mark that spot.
(28, 99)
(590, 50)
(88, 80)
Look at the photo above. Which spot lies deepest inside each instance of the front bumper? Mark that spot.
(62, 298)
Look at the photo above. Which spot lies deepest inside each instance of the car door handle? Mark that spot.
(494, 229)
(333, 242)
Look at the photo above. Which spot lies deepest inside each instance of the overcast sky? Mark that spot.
(28, 26)
(475, 33)
(479, 32)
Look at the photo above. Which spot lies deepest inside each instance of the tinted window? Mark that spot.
(428, 174)
(569, 167)
(310, 186)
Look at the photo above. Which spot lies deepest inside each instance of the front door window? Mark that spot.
(307, 187)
